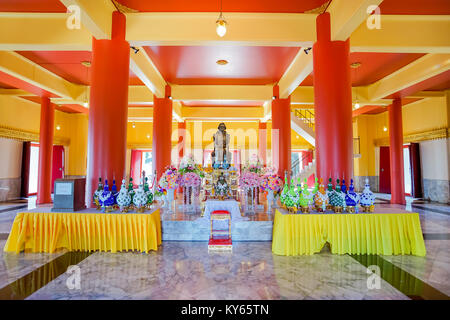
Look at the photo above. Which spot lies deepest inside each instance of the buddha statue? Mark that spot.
(221, 156)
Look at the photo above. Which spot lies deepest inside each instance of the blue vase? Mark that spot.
(114, 191)
(352, 198)
(106, 197)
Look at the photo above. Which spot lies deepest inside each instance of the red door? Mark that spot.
(385, 170)
(57, 164)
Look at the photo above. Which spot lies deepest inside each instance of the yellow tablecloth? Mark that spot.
(46, 232)
(384, 233)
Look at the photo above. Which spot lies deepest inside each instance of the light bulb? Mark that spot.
(357, 105)
(221, 28)
(58, 127)
(384, 129)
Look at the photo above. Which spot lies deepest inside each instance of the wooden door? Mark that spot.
(57, 164)
(385, 170)
(416, 175)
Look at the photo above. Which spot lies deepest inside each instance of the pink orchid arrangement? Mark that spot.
(190, 179)
(249, 180)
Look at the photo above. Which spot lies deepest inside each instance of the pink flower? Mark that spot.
(190, 179)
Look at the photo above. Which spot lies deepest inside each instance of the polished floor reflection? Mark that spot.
(185, 270)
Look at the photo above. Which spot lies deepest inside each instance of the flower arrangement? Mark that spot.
(269, 170)
(190, 179)
(169, 179)
(249, 180)
(272, 182)
(188, 165)
(254, 166)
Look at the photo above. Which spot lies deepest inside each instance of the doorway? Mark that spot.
(385, 170)
(410, 168)
(57, 167)
(141, 160)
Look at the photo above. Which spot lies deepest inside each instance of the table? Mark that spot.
(370, 233)
(84, 231)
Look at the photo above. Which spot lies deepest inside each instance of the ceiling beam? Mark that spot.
(298, 70)
(413, 73)
(15, 93)
(304, 95)
(146, 71)
(222, 113)
(394, 36)
(346, 16)
(198, 28)
(427, 94)
(222, 92)
(404, 33)
(96, 16)
(177, 111)
(20, 67)
(44, 31)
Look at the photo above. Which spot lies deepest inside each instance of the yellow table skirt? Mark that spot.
(384, 233)
(47, 232)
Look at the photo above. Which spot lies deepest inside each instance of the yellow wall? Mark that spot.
(25, 115)
(421, 116)
(77, 153)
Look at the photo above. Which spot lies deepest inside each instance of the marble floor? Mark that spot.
(185, 270)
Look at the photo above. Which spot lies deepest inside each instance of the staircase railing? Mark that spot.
(306, 116)
(295, 167)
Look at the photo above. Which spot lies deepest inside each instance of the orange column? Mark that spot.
(181, 140)
(162, 132)
(333, 104)
(396, 152)
(262, 142)
(108, 107)
(46, 132)
(281, 133)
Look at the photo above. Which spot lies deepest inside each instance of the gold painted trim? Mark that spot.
(24, 135)
(320, 9)
(123, 9)
(134, 146)
(435, 134)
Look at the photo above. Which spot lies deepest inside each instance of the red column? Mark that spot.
(262, 142)
(108, 107)
(45, 151)
(162, 132)
(396, 152)
(333, 104)
(181, 140)
(281, 133)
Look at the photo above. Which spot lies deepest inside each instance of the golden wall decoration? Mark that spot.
(441, 133)
(24, 135)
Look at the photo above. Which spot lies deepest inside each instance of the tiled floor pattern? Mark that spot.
(185, 270)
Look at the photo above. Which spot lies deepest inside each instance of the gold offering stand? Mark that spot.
(211, 178)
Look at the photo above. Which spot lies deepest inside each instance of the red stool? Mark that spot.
(220, 243)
